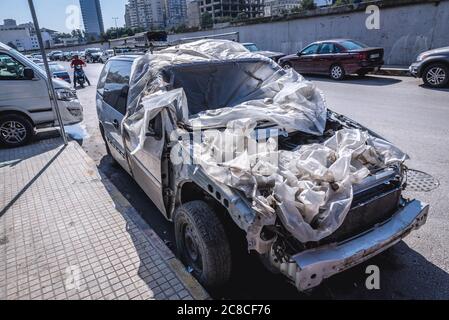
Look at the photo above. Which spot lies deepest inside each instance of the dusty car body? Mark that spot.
(270, 54)
(433, 67)
(178, 99)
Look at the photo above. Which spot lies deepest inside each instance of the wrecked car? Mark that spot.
(218, 136)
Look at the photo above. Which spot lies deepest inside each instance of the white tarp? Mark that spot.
(312, 184)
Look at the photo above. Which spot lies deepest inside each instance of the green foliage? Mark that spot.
(307, 5)
(206, 20)
(114, 33)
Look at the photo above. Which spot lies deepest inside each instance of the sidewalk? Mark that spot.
(67, 233)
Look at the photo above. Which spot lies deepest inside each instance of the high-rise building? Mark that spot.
(148, 14)
(93, 18)
(220, 9)
(193, 13)
(176, 13)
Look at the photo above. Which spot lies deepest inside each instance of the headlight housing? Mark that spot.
(66, 94)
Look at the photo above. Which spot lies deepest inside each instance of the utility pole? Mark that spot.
(116, 27)
(51, 88)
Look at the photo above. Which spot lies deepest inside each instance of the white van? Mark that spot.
(24, 100)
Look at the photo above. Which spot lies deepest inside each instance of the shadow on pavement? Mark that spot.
(30, 154)
(367, 80)
(434, 89)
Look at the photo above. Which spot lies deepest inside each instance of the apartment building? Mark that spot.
(220, 9)
(23, 36)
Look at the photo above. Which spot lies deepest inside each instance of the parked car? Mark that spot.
(270, 54)
(56, 56)
(67, 56)
(336, 58)
(93, 55)
(106, 55)
(206, 212)
(24, 101)
(433, 67)
(82, 55)
(57, 71)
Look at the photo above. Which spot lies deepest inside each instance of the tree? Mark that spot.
(307, 5)
(343, 2)
(241, 16)
(206, 20)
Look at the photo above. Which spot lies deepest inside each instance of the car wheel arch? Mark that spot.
(18, 113)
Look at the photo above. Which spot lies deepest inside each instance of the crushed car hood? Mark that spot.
(242, 91)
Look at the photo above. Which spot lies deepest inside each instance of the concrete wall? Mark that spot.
(404, 32)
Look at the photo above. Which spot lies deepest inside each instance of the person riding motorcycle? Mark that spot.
(76, 61)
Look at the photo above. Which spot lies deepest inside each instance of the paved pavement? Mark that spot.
(67, 233)
(399, 108)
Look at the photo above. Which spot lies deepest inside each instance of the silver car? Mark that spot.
(24, 101)
(207, 213)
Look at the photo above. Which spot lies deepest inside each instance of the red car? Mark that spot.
(336, 58)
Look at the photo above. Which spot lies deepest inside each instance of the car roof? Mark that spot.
(128, 57)
(333, 40)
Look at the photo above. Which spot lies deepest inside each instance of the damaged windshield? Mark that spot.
(212, 85)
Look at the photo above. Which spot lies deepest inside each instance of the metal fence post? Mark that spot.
(52, 92)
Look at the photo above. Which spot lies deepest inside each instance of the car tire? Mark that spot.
(15, 130)
(202, 243)
(436, 75)
(337, 72)
(287, 65)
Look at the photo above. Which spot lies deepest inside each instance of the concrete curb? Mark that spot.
(191, 284)
(399, 72)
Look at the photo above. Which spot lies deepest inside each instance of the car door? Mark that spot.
(113, 94)
(146, 162)
(19, 93)
(327, 56)
(307, 58)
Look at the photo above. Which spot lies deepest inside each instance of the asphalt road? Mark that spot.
(399, 108)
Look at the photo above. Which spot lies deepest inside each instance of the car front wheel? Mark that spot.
(15, 130)
(436, 75)
(286, 65)
(202, 243)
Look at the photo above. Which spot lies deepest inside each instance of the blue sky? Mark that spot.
(52, 13)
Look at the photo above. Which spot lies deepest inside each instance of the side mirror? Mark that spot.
(28, 73)
(299, 53)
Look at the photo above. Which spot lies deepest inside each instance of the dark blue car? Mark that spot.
(58, 71)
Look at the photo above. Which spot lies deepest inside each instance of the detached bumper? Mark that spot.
(309, 268)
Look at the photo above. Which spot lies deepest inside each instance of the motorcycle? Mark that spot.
(80, 76)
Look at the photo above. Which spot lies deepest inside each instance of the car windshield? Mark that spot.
(207, 85)
(351, 45)
(251, 47)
